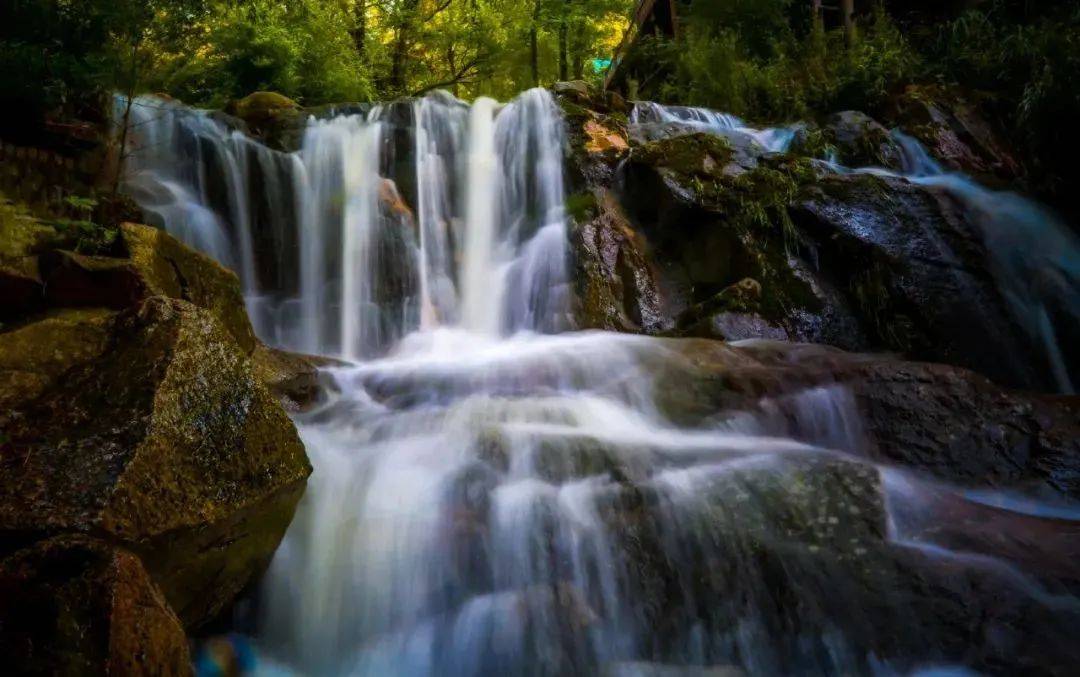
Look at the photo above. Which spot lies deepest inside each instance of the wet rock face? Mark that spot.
(860, 141)
(916, 272)
(175, 434)
(961, 428)
(616, 284)
(956, 133)
(945, 421)
(73, 605)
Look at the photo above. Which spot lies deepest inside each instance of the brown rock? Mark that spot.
(78, 606)
(167, 443)
(33, 355)
(168, 268)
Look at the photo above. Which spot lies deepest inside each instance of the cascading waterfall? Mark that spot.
(356, 271)
(493, 497)
(1034, 256)
(774, 139)
(480, 284)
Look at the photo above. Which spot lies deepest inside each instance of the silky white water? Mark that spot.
(493, 497)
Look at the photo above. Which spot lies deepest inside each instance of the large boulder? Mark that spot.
(154, 264)
(167, 443)
(78, 606)
(861, 141)
(615, 283)
(35, 353)
(712, 218)
(954, 130)
(917, 272)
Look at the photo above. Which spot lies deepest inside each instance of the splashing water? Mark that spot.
(774, 139)
(492, 497)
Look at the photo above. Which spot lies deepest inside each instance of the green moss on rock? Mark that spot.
(78, 606)
(169, 433)
(34, 354)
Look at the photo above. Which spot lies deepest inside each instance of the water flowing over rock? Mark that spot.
(493, 494)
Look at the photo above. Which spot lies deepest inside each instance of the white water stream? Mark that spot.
(492, 497)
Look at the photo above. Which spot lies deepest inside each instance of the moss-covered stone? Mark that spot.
(860, 141)
(273, 117)
(168, 268)
(166, 435)
(34, 354)
(693, 157)
(78, 606)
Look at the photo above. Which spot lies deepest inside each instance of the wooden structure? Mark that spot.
(650, 17)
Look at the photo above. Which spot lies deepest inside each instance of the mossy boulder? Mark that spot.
(712, 222)
(274, 118)
(861, 141)
(78, 606)
(687, 159)
(167, 443)
(34, 354)
(168, 268)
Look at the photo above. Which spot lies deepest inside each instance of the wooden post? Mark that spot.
(847, 11)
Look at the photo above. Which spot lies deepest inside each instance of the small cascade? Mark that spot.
(690, 119)
(205, 183)
(1034, 256)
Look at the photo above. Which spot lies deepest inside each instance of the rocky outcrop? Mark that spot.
(956, 133)
(860, 141)
(917, 273)
(77, 606)
(175, 438)
(616, 286)
(143, 446)
(860, 260)
(943, 420)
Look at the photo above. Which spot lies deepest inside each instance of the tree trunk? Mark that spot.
(847, 12)
(125, 121)
(359, 32)
(564, 67)
(534, 45)
(401, 47)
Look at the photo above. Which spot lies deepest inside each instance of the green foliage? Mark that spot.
(86, 237)
(1029, 58)
(748, 58)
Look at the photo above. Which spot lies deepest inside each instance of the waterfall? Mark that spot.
(1034, 256)
(691, 119)
(493, 495)
(480, 284)
(441, 123)
(353, 268)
